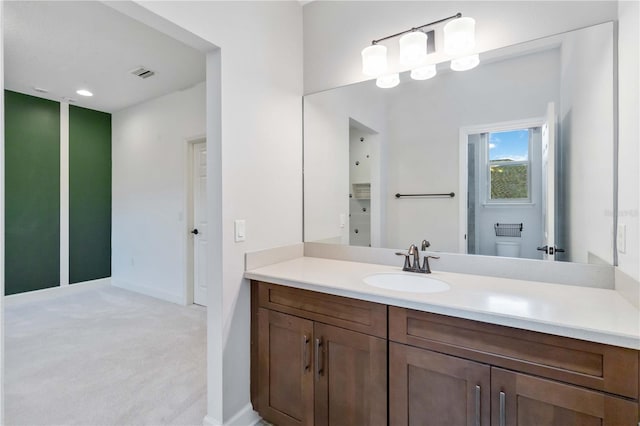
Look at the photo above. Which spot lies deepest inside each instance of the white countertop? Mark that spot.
(592, 314)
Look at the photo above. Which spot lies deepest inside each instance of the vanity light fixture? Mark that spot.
(459, 36)
(424, 73)
(84, 92)
(388, 81)
(374, 60)
(413, 48)
(465, 63)
(459, 42)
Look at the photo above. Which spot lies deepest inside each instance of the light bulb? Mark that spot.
(465, 63)
(374, 60)
(459, 36)
(424, 73)
(413, 48)
(388, 81)
(84, 92)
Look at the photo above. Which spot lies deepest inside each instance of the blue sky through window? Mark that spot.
(512, 145)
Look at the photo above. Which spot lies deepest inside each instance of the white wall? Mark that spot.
(586, 122)
(336, 31)
(629, 135)
(260, 61)
(150, 181)
(425, 118)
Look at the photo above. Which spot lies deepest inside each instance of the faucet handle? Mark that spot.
(407, 262)
(425, 264)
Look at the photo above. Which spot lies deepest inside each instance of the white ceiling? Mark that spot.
(64, 46)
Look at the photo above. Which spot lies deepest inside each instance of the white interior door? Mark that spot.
(199, 231)
(548, 184)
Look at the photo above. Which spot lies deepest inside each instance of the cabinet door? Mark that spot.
(351, 377)
(429, 388)
(523, 400)
(285, 378)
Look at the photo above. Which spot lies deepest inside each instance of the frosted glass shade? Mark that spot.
(413, 48)
(465, 63)
(388, 81)
(459, 36)
(424, 73)
(374, 60)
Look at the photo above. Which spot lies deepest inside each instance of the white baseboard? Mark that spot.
(148, 291)
(53, 292)
(244, 417)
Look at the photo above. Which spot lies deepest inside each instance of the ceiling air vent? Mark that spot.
(142, 72)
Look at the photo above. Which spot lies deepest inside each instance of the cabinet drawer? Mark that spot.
(593, 365)
(357, 315)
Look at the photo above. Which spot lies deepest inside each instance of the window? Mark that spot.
(509, 166)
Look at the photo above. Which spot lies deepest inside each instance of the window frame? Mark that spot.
(487, 163)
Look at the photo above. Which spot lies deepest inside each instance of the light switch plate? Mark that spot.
(622, 238)
(240, 229)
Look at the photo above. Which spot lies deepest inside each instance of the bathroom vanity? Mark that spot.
(326, 348)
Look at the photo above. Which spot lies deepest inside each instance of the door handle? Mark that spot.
(477, 423)
(503, 408)
(318, 345)
(305, 353)
(195, 232)
(544, 249)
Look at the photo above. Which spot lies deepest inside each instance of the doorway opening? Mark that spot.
(503, 189)
(197, 223)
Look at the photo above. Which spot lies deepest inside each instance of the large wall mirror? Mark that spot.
(511, 158)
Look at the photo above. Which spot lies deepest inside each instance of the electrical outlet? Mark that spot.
(622, 238)
(343, 220)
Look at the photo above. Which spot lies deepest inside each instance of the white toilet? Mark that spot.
(508, 248)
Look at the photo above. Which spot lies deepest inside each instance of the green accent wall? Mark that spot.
(32, 193)
(89, 194)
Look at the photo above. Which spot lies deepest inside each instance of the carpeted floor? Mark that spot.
(105, 357)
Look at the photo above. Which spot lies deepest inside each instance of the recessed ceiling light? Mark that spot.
(84, 92)
(40, 89)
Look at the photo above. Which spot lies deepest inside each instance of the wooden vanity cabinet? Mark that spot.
(522, 378)
(321, 359)
(318, 359)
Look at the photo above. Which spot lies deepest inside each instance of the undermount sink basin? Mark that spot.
(408, 282)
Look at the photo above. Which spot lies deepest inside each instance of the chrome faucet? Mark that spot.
(415, 265)
(413, 250)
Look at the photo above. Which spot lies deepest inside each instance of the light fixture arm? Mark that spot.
(457, 15)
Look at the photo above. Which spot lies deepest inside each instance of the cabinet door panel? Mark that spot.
(532, 401)
(285, 374)
(351, 378)
(428, 388)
